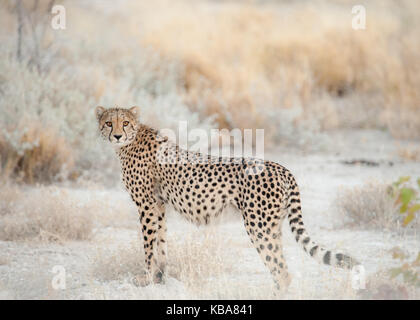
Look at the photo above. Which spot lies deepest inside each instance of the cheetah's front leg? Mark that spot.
(161, 241)
(150, 220)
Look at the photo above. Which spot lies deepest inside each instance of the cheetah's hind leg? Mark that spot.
(266, 238)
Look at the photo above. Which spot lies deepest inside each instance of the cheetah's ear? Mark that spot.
(99, 112)
(135, 111)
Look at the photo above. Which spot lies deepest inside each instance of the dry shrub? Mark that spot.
(46, 214)
(380, 286)
(40, 154)
(4, 260)
(53, 88)
(411, 153)
(242, 58)
(193, 259)
(369, 206)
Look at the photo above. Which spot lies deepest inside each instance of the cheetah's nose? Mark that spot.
(117, 136)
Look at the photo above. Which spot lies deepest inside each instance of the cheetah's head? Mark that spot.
(117, 125)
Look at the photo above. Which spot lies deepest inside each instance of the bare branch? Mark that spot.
(19, 30)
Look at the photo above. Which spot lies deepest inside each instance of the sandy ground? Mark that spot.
(26, 267)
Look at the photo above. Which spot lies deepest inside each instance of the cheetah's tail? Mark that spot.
(316, 251)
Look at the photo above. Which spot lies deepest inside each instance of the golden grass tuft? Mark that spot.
(41, 155)
(45, 214)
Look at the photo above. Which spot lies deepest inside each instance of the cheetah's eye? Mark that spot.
(108, 123)
(125, 123)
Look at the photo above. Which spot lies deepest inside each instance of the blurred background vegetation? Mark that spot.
(294, 68)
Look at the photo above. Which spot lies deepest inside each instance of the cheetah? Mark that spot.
(157, 172)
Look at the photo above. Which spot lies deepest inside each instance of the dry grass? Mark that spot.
(202, 261)
(10, 195)
(45, 214)
(369, 206)
(194, 260)
(206, 263)
(59, 213)
(197, 258)
(127, 260)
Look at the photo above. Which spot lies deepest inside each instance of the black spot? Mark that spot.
(295, 220)
(327, 257)
(313, 250)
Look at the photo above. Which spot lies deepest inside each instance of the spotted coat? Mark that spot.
(158, 173)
